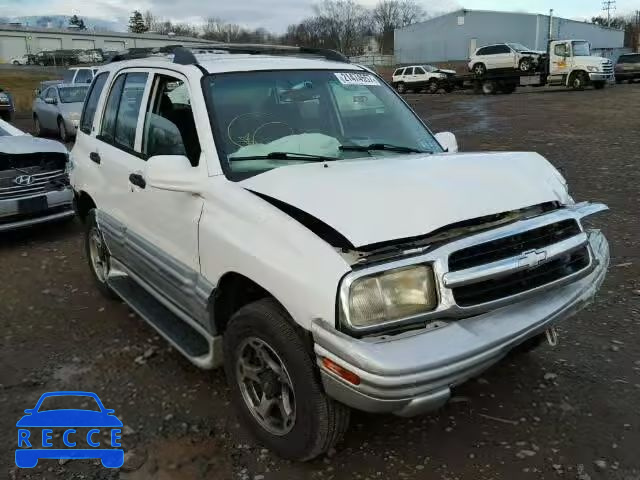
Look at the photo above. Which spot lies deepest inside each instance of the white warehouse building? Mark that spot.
(16, 41)
(453, 37)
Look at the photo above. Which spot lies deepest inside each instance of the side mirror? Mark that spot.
(448, 141)
(50, 101)
(173, 173)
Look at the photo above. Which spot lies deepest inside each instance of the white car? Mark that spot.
(503, 56)
(419, 77)
(79, 75)
(21, 60)
(292, 219)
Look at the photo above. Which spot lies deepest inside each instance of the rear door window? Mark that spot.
(408, 71)
(129, 110)
(91, 104)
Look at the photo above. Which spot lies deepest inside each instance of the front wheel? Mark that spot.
(401, 88)
(62, 131)
(98, 255)
(525, 65)
(433, 86)
(37, 128)
(578, 81)
(275, 384)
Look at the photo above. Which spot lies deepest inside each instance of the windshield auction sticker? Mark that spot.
(356, 78)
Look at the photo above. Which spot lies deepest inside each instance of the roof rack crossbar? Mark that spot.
(185, 55)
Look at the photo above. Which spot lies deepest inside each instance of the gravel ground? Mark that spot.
(567, 412)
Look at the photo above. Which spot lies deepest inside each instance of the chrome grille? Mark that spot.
(42, 182)
(607, 67)
(515, 264)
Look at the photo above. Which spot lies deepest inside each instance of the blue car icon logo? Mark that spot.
(83, 433)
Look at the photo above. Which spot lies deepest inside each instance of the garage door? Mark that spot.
(12, 47)
(113, 45)
(82, 44)
(48, 43)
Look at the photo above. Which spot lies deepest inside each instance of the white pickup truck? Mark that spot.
(284, 213)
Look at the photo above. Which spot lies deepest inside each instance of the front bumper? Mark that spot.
(413, 373)
(59, 208)
(601, 77)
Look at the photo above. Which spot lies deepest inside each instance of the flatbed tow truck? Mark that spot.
(567, 63)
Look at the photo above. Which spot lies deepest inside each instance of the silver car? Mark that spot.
(34, 180)
(58, 109)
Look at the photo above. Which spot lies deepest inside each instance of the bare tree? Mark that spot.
(391, 14)
(344, 24)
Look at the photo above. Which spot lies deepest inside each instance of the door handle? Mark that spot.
(95, 157)
(137, 180)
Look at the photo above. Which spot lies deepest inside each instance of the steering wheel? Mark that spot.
(256, 127)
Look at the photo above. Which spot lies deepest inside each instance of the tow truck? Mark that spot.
(566, 63)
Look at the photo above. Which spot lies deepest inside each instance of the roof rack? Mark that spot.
(186, 56)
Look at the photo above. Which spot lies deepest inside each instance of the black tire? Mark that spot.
(525, 65)
(599, 85)
(401, 88)
(489, 87)
(479, 70)
(578, 81)
(320, 422)
(508, 88)
(37, 128)
(16, 62)
(433, 86)
(62, 131)
(91, 228)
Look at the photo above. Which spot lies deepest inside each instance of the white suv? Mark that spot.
(291, 218)
(419, 77)
(504, 56)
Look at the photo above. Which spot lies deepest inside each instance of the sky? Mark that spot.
(275, 15)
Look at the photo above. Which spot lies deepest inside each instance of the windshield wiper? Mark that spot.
(285, 156)
(381, 146)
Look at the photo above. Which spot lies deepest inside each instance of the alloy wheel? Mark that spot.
(97, 254)
(266, 386)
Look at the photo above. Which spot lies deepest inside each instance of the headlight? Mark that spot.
(388, 296)
(593, 69)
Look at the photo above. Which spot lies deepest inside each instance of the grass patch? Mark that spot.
(22, 84)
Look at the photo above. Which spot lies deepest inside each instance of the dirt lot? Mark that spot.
(569, 412)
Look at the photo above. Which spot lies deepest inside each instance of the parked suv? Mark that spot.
(504, 56)
(291, 218)
(628, 67)
(418, 77)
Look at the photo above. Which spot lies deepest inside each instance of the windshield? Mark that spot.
(518, 47)
(581, 49)
(69, 402)
(307, 112)
(73, 94)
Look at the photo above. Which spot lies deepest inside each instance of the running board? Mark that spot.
(186, 339)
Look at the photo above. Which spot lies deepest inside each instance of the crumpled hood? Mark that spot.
(21, 144)
(378, 200)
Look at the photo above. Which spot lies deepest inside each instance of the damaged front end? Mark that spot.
(34, 182)
(495, 289)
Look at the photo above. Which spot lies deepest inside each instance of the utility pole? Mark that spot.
(609, 5)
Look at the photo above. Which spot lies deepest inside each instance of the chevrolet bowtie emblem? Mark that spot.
(532, 259)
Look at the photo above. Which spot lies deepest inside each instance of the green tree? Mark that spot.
(77, 22)
(137, 23)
